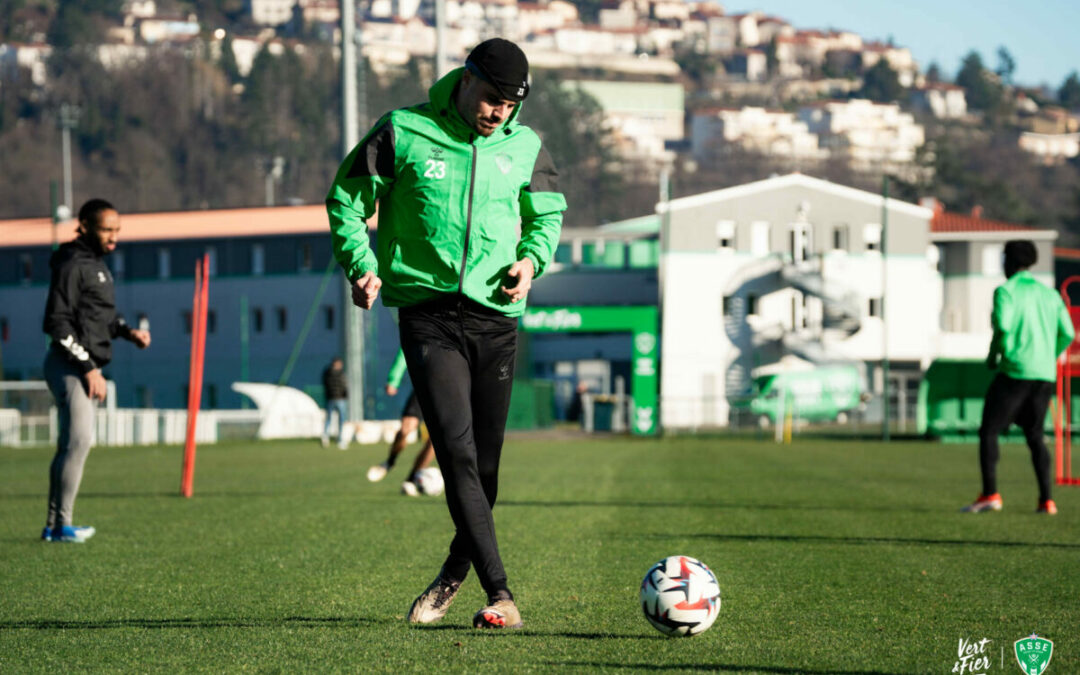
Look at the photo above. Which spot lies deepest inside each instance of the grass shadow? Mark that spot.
(190, 622)
(863, 541)
(709, 667)
(527, 632)
(715, 505)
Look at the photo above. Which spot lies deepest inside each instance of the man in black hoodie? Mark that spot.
(336, 389)
(81, 319)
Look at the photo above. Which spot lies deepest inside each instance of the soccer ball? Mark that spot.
(430, 481)
(680, 596)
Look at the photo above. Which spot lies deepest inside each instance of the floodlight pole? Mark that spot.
(350, 132)
(441, 65)
(352, 319)
(69, 117)
(884, 323)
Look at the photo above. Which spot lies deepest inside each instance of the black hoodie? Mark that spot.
(80, 314)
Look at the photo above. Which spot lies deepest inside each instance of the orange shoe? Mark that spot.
(1048, 507)
(984, 503)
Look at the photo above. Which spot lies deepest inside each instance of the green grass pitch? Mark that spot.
(832, 556)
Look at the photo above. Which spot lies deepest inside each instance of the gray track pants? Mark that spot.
(76, 417)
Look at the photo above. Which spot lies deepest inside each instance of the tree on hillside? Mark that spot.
(589, 10)
(989, 170)
(8, 10)
(572, 125)
(1069, 94)
(81, 23)
(696, 64)
(772, 63)
(983, 90)
(1006, 65)
(933, 72)
(881, 84)
(228, 60)
(216, 12)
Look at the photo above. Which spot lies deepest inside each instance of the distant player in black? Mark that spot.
(336, 390)
(81, 319)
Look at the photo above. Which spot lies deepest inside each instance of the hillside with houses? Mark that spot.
(234, 103)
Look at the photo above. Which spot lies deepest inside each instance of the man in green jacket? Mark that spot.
(1031, 328)
(469, 215)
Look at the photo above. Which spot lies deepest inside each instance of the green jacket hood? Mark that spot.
(441, 95)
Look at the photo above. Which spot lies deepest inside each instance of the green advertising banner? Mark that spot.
(640, 322)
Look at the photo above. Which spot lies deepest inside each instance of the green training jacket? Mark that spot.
(456, 209)
(1031, 328)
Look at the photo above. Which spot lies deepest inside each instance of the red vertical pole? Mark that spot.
(1064, 444)
(1059, 416)
(195, 373)
(1067, 408)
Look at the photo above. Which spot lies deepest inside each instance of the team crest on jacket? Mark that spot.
(101, 276)
(504, 162)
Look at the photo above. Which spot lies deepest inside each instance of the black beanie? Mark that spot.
(503, 65)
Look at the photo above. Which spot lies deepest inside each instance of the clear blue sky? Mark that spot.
(1042, 35)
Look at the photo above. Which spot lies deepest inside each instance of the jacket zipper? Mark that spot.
(468, 220)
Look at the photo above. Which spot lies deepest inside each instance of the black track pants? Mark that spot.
(461, 362)
(1024, 402)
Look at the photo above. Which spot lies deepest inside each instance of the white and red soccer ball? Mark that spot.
(680, 596)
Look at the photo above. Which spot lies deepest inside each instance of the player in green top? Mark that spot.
(1031, 328)
(411, 416)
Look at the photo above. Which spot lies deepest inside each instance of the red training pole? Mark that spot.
(1064, 444)
(195, 374)
(1059, 416)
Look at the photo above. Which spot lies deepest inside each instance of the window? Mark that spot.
(258, 260)
(725, 234)
(164, 263)
(328, 315)
(5, 329)
(799, 242)
(875, 307)
(304, 258)
(212, 269)
(840, 238)
(872, 237)
(26, 265)
(751, 303)
(282, 318)
(257, 319)
(211, 321)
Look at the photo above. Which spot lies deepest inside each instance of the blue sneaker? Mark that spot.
(72, 534)
(46, 534)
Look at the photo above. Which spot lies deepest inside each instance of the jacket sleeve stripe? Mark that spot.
(375, 156)
(545, 177)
